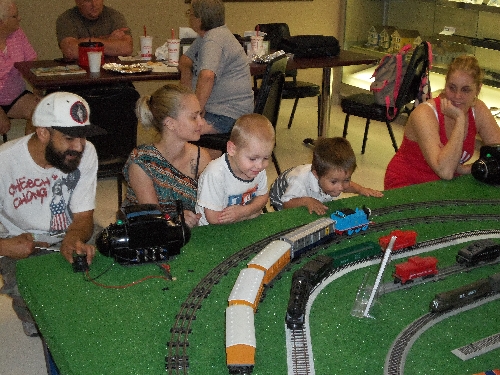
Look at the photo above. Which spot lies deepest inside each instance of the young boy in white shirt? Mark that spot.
(329, 175)
(233, 187)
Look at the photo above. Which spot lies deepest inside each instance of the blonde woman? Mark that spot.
(168, 170)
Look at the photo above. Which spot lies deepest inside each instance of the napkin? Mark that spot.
(161, 52)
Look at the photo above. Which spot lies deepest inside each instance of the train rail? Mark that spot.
(299, 351)
(177, 358)
(396, 358)
(422, 247)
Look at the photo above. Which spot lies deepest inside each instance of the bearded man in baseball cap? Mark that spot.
(47, 190)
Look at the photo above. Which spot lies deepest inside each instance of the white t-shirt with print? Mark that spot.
(42, 201)
(219, 188)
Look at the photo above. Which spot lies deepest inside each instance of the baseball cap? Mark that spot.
(66, 112)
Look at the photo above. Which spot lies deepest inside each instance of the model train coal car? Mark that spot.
(465, 294)
(143, 234)
(351, 221)
(355, 253)
(479, 251)
(303, 281)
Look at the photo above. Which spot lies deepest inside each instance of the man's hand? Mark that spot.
(118, 33)
(71, 245)
(18, 247)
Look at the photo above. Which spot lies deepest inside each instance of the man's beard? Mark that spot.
(58, 159)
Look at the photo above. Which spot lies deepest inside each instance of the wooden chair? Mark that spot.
(267, 103)
(293, 89)
(363, 105)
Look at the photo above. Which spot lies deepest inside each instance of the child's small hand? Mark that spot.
(314, 205)
(229, 214)
(367, 192)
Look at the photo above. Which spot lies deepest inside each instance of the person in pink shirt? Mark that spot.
(15, 101)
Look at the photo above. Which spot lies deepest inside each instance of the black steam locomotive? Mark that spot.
(144, 234)
(303, 281)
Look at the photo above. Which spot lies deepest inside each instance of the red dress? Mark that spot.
(408, 166)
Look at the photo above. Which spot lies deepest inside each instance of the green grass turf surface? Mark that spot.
(96, 330)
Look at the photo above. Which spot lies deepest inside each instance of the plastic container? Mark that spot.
(85, 47)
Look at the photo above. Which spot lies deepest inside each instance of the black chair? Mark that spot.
(113, 109)
(293, 88)
(363, 105)
(267, 103)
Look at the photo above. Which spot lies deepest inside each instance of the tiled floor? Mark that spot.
(21, 355)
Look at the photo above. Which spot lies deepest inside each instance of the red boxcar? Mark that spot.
(404, 239)
(414, 268)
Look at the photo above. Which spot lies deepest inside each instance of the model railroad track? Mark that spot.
(177, 359)
(301, 341)
(299, 352)
(426, 204)
(396, 358)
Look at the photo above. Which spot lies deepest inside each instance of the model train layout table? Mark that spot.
(93, 328)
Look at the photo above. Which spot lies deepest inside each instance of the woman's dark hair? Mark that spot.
(333, 153)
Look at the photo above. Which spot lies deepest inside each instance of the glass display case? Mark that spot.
(476, 32)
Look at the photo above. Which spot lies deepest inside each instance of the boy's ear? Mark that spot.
(231, 148)
(315, 174)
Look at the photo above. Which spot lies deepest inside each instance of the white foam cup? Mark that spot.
(94, 59)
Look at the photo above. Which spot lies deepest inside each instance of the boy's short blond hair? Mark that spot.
(252, 127)
(333, 153)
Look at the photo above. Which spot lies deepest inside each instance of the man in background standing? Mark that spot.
(91, 20)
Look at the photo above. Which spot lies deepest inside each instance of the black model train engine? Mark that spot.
(144, 234)
(303, 281)
(479, 251)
